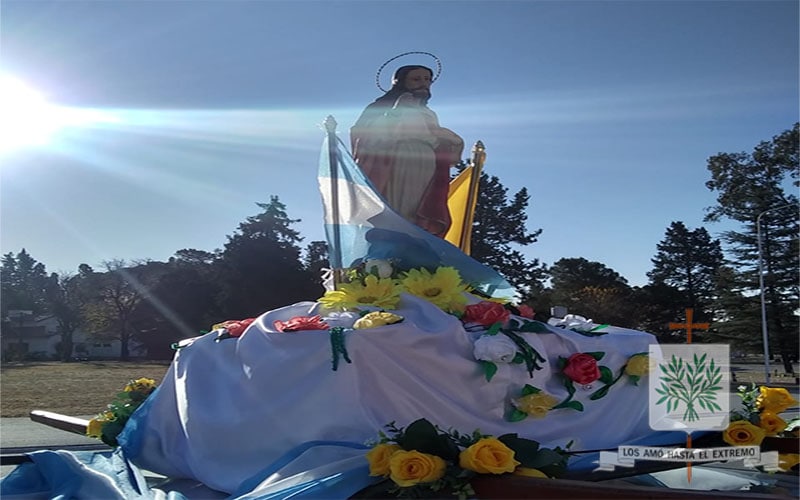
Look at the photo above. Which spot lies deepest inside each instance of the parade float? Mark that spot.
(416, 374)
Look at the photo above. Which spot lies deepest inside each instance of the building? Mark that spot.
(38, 338)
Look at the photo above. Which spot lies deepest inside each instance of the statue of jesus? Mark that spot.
(398, 143)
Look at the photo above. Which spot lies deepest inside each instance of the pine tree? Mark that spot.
(498, 227)
(260, 267)
(683, 275)
(752, 190)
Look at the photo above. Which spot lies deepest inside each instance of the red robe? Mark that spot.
(376, 138)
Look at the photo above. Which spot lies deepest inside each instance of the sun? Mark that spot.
(26, 118)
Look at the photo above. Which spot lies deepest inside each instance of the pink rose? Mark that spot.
(582, 368)
(301, 323)
(526, 311)
(486, 313)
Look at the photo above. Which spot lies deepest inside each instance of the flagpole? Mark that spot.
(478, 158)
(330, 127)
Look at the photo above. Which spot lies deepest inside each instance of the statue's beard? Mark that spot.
(423, 94)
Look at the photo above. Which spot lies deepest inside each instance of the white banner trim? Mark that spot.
(626, 456)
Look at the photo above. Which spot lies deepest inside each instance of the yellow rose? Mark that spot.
(376, 318)
(378, 458)
(94, 428)
(788, 460)
(488, 456)
(774, 399)
(536, 405)
(528, 472)
(771, 423)
(141, 385)
(638, 365)
(407, 468)
(743, 433)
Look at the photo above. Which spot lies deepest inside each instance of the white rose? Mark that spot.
(383, 268)
(496, 348)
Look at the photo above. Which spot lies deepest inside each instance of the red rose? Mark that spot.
(582, 368)
(486, 313)
(301, 323)
(236, 327)
(526, 311)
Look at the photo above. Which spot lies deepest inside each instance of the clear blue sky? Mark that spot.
(605, 111)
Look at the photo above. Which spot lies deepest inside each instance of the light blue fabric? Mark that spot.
(317, 485)
(367, 228)
(63, 475)
(79, 475)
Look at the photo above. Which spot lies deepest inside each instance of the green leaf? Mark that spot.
(635, 379)
(494, 328)
(529, 389)
(489, 369)
(533, 327)
(420, 435)
(518, 359)
(598, 355)
(606, 376)
(524, 449)
(516, 416)
(599, 393)
(544, 457)
(575, 405)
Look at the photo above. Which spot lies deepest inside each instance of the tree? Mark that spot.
(182, 302)
(592, 290)
(752, 188)
(22, 283)
(499, 225)
(65, 299)
(316, 259)
(683, 275)
(689, 261)
(116, 295)
(260, 267)
(22, 288)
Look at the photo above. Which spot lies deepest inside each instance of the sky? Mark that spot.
(177, 117)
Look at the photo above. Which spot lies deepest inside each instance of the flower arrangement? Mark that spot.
(760, 416)
(422, 460)
(759, 419)
(107, 425)
(579, 368)
(491, 348)
(377, 285)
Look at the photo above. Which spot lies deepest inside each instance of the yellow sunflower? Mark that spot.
(374, 291)
(443, 288)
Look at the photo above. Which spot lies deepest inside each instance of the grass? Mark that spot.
(75, 389)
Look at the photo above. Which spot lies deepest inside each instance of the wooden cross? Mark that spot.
(688, 326)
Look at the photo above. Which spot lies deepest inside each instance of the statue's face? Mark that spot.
(418, 81)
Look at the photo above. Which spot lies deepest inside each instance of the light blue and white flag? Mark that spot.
(360, 225)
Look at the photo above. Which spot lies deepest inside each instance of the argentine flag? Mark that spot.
(359, 225)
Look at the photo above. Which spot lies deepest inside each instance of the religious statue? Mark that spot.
(398, 143)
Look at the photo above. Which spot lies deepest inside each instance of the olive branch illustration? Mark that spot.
(692, 383)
